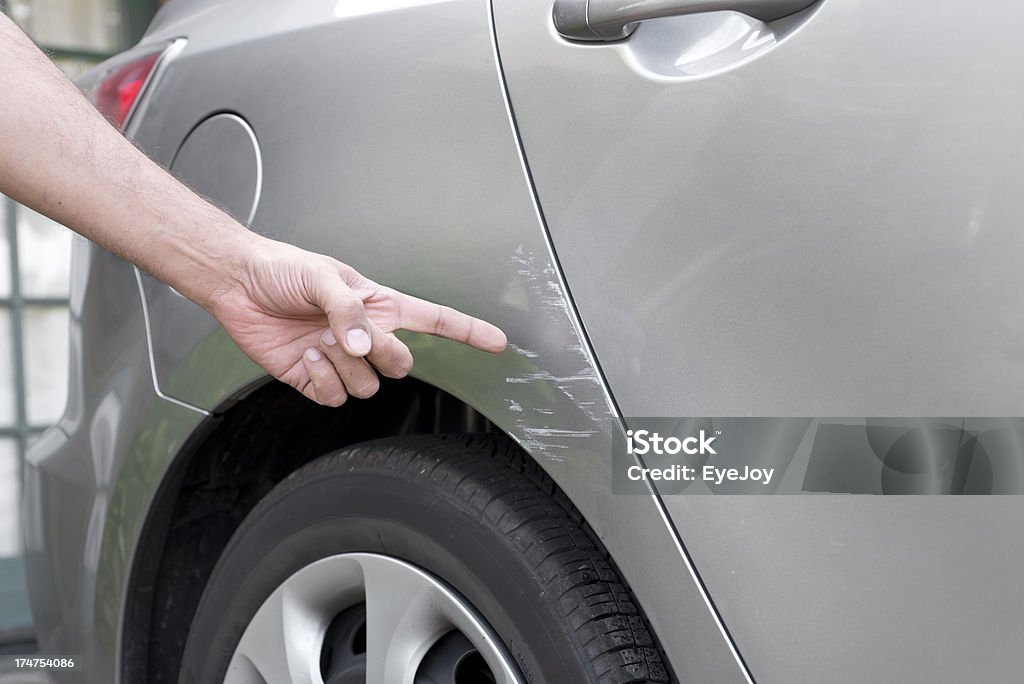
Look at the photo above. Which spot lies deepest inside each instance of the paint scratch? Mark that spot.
(523, 352)
(544, 392)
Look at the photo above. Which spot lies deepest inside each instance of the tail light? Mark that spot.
(120, 87)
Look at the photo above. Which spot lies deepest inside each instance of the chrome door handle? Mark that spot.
(616, 19)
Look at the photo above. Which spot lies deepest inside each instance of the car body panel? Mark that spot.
(864, 588)
(420, 184)
(829, 227)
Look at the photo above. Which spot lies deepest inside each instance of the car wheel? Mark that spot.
(423, 560)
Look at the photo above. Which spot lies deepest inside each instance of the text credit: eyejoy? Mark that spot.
(641, 442)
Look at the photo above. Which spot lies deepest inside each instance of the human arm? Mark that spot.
(283, 306)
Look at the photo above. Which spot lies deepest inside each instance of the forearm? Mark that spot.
(59, 156)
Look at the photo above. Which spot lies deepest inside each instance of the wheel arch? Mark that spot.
(252, 442)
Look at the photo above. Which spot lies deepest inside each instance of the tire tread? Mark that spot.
(530, 512)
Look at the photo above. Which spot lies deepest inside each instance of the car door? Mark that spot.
(813, 213)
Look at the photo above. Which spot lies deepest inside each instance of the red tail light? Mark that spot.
(120, 87)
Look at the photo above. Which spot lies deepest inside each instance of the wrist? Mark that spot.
(209, 268)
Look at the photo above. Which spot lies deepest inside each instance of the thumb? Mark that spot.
(346, 315)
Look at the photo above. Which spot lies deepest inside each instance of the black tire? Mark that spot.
(470, 510)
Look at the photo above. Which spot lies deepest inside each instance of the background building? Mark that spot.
(34, 262)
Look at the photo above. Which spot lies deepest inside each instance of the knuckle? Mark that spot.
(400, 368)
(349, 308)
(439, 321)
(396, 366)
(366, 389)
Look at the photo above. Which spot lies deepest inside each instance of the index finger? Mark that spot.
(419, 315)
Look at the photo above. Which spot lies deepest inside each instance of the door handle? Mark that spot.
(615, 19)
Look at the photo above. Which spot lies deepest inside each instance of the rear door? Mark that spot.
(814, 215)
(829, 225)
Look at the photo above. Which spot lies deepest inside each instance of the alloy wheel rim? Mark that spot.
(413, 630)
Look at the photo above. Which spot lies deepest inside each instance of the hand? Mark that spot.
(321, 327)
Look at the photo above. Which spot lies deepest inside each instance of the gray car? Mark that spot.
(728, 220)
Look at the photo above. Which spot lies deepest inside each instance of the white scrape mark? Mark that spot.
(548, 299)
(586, 375)
(555, 432)
(523, 352)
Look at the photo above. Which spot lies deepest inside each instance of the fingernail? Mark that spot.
(358, 341)
(328, 338)
(313, 354)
